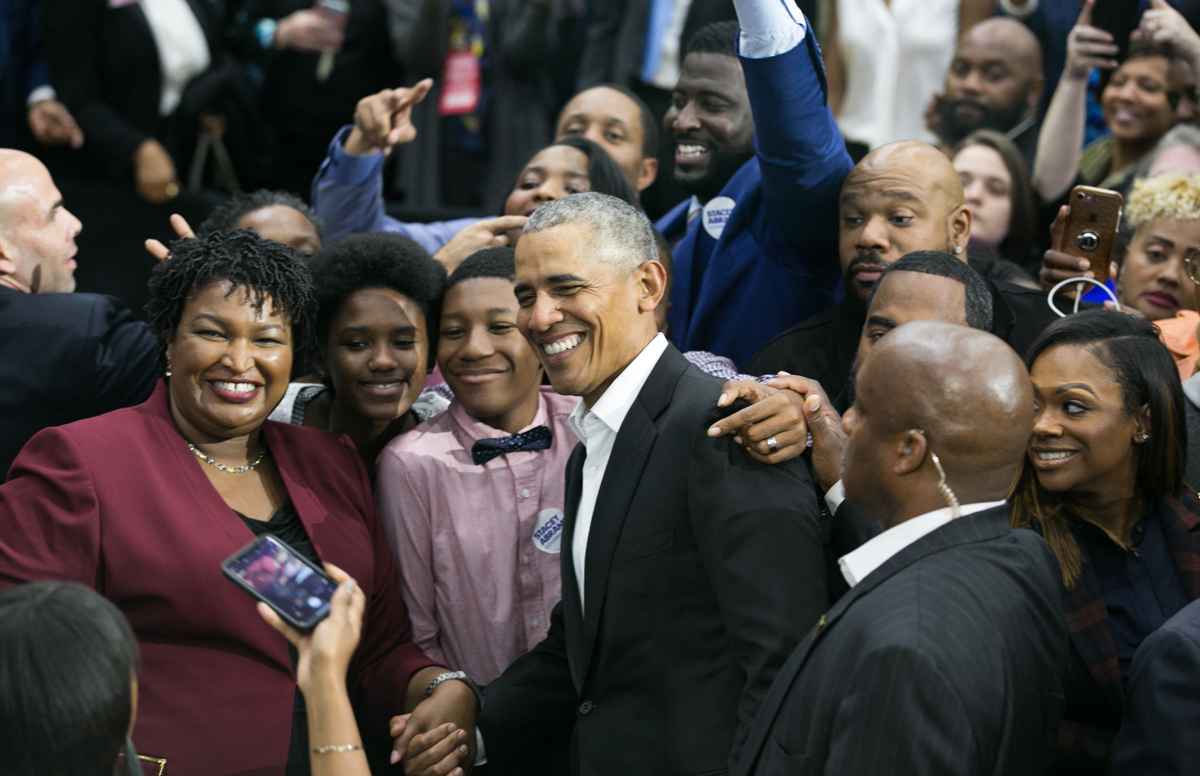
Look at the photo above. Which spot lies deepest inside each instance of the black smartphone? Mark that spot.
(284, 580)
(1119, 18)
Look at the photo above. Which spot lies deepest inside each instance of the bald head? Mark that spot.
(901, 198)
(995, 80)
(959, 393)
(37, 234)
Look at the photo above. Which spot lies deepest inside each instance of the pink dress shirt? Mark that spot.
(478, 583)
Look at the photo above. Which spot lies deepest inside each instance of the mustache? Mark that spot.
(870, 259)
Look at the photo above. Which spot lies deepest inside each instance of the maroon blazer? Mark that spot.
(120, 504)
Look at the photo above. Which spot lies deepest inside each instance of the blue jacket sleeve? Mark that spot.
(347, 195)
(800, 150)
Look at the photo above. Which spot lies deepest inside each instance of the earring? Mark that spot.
(907, 451)
(958, 250)
(1145, 437)
(168, 372)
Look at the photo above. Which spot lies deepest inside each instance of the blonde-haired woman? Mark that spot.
(1163, 213)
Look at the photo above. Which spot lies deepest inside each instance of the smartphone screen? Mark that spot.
(283, 580)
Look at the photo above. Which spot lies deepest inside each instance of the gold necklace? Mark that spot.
(229, 469)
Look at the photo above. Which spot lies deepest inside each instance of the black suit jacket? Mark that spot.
(616, 38)
(1160, 732)
(947, 659)
(104, 64)
(65, 357)
(704, 569)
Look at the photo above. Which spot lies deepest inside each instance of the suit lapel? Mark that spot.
(310, 508)
(990, 524)
(572, 611)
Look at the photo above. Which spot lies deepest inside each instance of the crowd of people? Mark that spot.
(739, 407)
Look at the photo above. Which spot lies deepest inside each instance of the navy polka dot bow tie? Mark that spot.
(484, 450)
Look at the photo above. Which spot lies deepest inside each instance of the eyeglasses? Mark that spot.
(1192, 261)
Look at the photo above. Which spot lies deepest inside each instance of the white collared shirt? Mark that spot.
(860, 563)
(597, 428)
(768, 28)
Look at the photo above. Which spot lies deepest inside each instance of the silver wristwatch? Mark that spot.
(460, 676)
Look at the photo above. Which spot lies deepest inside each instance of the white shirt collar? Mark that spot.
(616, 401)
(858, 564)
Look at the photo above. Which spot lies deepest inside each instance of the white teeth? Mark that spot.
(1053, 456)
(234, 387)
(392, 384)
(687, 149)
(563, 345)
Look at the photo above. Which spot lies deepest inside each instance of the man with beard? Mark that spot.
(902, 197)
(753, 246)
(995, 82)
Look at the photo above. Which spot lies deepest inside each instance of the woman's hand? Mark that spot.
(1088, 47)
(154, 172)
(384, 120)
(324, 654)
(438, 737)
(489, 233)
(1165, 28)
(308, 31)
(181, 227)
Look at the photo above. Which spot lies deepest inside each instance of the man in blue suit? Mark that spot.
(30, 110)
(757, 146)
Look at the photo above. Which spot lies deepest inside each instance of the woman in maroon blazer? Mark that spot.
(143, 504)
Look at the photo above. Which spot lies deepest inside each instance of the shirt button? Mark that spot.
(534, 623)
(585, 708)
(524, 492)
(524, 558)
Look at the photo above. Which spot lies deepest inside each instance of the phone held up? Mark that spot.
(280, 577)
(1091, 229)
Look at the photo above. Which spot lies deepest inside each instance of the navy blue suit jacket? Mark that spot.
(22, 68)
(65, 357)
(776, 262)
(1160, 732)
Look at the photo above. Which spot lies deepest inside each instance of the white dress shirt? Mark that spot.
(768, 27)
(857, 565)
(182, 48)
(597, 428)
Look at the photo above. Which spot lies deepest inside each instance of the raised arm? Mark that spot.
(800, 150)
(1060, 142)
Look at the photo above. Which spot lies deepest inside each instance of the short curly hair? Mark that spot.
(1166, 195)
(487, 263)
(264, 268)
(376, 260)
(226, 215)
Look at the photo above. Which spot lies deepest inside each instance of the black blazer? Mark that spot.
(1160, 732)
(948, 658)
(104, 64)
(704, 570)
(616, 38)
(65, 357)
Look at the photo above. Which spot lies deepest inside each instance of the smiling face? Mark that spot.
(1083, 440)
(555, 172)
(491, 368)
(1154, 278)
(709, 123)
(987, 185)
(229, 363)
(37, 234)
(285, 225)
(376, 354)
(613, 121)
(585, 319)
(1135, 102)
(901, 198)
(911, 296)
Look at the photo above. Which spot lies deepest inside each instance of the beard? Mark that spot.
(954, 129)
(722, 167)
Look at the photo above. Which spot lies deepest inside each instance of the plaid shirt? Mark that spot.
(1085, 748)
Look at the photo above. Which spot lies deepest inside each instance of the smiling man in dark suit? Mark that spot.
(689, 570)
(948, 652)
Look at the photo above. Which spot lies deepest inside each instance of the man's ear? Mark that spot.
(959, 228)
(648, 174)
(8, 264)
(652, 284)
(910, 453)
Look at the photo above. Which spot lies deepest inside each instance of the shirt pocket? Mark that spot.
(639, 547)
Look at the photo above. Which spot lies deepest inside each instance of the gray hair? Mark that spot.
(624, 238)
(1180, 134)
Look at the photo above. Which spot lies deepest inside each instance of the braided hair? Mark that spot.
(265, 269)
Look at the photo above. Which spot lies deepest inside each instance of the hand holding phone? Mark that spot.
(271, 571)
(1090, 231)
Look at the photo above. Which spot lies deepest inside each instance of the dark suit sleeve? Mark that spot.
(1160, 732)
(124, 355)
(73, 51)
(758, 533)
(600, 48)
(529, 711)
(901, 717)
